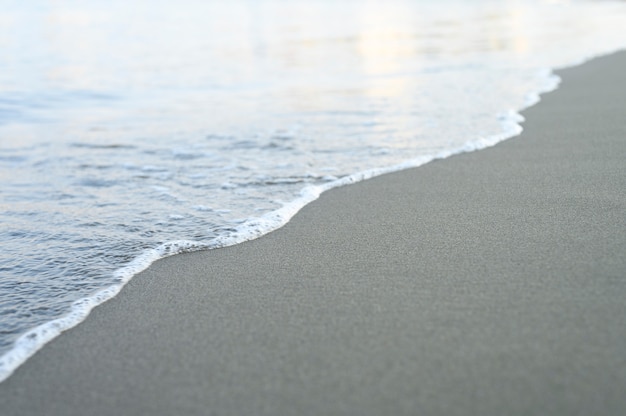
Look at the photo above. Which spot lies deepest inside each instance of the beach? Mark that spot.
(488, 283)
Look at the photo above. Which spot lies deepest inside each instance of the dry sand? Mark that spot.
(490, 283)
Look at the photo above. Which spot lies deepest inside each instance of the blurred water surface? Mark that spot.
(125, 125)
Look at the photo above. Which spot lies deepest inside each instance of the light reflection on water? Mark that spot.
(124, 125)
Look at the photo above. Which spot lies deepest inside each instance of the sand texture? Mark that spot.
(490, 283)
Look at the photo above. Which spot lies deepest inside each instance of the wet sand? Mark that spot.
(489, 283)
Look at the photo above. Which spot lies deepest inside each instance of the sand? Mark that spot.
(490, 283)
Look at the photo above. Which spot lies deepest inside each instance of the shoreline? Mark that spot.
(36, 338)
(416, 291)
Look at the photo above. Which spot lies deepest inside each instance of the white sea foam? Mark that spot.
(29, 343)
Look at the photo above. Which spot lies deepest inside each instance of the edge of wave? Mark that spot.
(34, 339)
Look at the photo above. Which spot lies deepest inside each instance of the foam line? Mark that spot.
(33, 340)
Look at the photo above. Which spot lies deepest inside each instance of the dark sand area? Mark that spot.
(489, 283)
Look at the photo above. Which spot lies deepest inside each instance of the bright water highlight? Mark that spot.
(129, 132)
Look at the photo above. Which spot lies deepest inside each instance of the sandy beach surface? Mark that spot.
(490, 283)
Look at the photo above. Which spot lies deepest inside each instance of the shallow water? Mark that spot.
(126, 128)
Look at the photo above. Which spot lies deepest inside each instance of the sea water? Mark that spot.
(130, 131)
